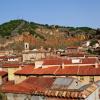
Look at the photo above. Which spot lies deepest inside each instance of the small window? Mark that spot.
(76, 83)
(91, 79)
(26, 46)
(81, 78)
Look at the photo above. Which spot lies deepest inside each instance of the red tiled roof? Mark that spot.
(75, 55)
(15, 65)
(89, 60)
(67, 70)
(89, 70)
(59, 61)
(28, 69)
(30, 85)
(14, 89)
(79, 70)
(3, 73)
(10, 65)
(57, 70)
(43, 86)
(52, 62)
(2, 57)
(40, 83)
(36, 71)
(67, 61)
(47, 71)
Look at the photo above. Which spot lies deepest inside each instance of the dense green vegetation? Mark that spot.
(18, 26)
(14, 27)
(7, 28)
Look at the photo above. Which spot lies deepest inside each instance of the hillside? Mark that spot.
(47, 35)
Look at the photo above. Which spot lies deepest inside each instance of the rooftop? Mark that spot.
(59, 70)
(51, 87)
(59, 61)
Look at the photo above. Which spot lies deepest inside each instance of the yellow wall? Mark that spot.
(87, 78)
(0, 80)
(19, 78)
(11, 72)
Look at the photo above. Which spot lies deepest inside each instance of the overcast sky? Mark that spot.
(62, 12)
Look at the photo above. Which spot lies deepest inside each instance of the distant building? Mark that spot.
(11, 58)
(35, 55)
(72, 50)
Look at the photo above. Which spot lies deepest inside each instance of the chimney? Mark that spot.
(21, 66)
(62, 66)
(38, 64)
(0, 69)
(96, 65)
(84, 56)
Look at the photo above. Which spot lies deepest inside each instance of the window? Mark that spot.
(91, 79)
(81, 78)
(26, 45)
(76, 83)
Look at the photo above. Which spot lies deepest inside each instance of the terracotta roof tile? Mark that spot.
(89, 60)
(52, 62)
(30, 85)
(14, 65)
(58, 70)
(15, 89)
(10, 65)
(28, 69)
(49, 70)
(42, 86)
(59, 61)
(67, 70)
(89, 70)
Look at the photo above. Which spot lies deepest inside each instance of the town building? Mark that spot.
(48, 88)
